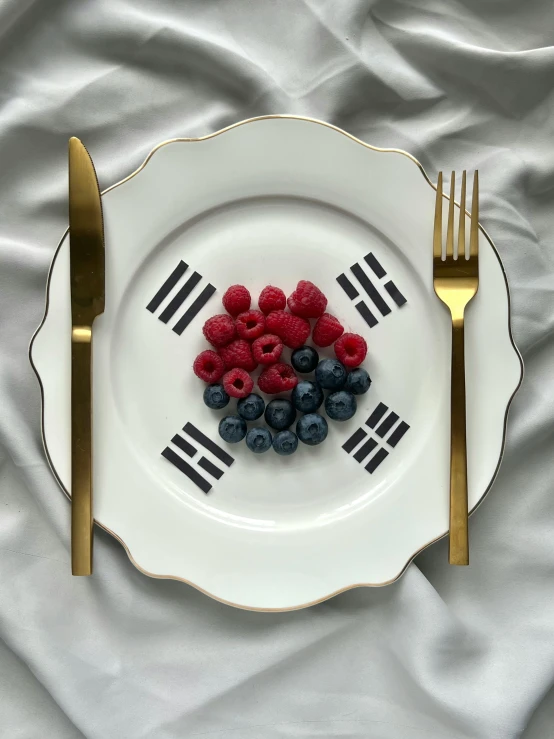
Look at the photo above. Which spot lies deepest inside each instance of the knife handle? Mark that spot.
(81, 450)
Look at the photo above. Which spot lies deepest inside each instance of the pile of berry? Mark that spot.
(244, 338)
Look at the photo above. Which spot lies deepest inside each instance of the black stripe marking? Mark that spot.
(370, 289)
(354, 440)
(180, 298)
(395, 293)
(387, 424)
(186, 469)
(167, 287)
(347, 286)
(375, 265)
(397, 434)
(365, 449)
(376, 460)
(210, 468)
(208, 444)
(377, 415)
(194, 309)
(366, 314)
(183, 445)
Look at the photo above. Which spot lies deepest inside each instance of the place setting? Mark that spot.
(276, 362)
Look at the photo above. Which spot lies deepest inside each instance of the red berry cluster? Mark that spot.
(244, 338)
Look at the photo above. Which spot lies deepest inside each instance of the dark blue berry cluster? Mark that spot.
(280, 414)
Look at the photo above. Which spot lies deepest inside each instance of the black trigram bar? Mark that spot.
(183, 445)
(395, 293)
(366, 314)
(370, 289)
(354, 440)
(208, 444)
(187, 470)
(180, 298)
(167, 287)
(375, 265)
(210, 468)
(387, 424)
(397, 434)
(194, 309)
(377, 415)
(376, 460)
(347, 286)
(365, 449)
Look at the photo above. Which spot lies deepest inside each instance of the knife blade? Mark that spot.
(87, 287)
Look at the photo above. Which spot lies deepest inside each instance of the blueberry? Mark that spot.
(232, 429)
(307, 396)
(304, 359)
(280, 414)
(312, 429)
(285, 443)
(358, 381)
(251, 407)
(340, 406)
(258, 440)
(330, 374)
(215, 397)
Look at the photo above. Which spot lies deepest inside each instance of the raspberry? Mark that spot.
(291, 329)
(327, 330)
(267, 349)
(219, 330)
(307, 300)
(236, 300)
(277, 379)
(272, 298)
(351, 349)
(250, 324)
(238, 354)
(208, 366)
(238, 383)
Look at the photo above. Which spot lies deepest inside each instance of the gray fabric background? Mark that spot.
(444, 653)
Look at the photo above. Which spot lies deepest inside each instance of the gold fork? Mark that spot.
(456, 280)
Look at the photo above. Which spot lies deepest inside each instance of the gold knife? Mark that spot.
(86, 250)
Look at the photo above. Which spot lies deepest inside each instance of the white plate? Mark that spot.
(273, 201)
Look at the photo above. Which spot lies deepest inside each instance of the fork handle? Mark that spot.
(458, 553)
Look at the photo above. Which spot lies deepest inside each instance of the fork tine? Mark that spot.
(462, 224)
(437, 233)
(474, 229)
(450, 230)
